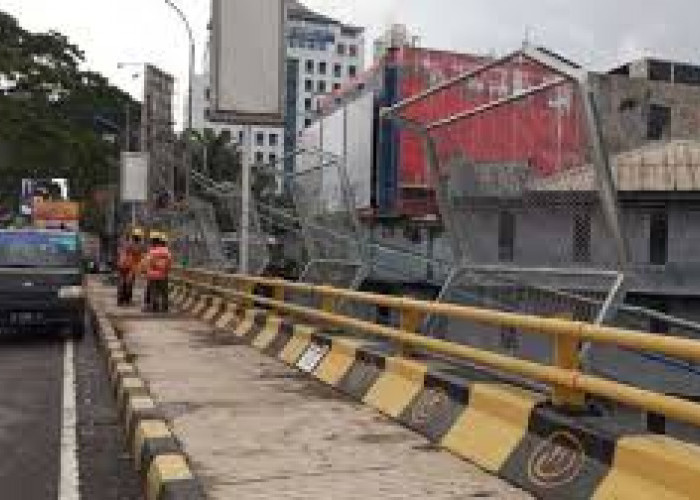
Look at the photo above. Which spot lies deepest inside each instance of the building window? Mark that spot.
(337, 71)
(322, 86)
(336, 86)
(322, 68)
(307, 122)
(341, 49)
(352, 71)
(582, 238)
(259, 139)
(659, 122)
(240, 136)
(259, 157)
(658, 238)
(310, 66)
(273, 158)
(273, 139)
(309, 85)
(307, 104)
(352, 49)
(506, 236)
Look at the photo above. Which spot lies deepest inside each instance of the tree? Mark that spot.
(52, 113)
(216, 155)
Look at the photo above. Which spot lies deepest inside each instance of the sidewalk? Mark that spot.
(256, 429)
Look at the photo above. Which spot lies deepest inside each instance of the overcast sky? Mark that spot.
(597, 33)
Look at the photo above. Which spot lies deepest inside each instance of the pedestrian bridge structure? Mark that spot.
(262, 388)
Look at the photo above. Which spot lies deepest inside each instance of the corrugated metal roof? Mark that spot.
(669, 166)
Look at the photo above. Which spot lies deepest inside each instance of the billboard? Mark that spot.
(47, 189)
(359, 145)
(56, 214)
(247, 61)
(134, 177)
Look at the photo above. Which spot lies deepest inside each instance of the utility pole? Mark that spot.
(190, 78)
(246, 164)
(127, 127)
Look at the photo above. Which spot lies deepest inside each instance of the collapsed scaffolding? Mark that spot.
(541, 121)
(511, 140)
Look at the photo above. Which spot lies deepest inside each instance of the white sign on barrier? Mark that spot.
(312, 357)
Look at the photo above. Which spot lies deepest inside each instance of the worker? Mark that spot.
(128, 262)
(157, 267)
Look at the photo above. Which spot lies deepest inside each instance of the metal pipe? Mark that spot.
(678, 347)
(190, 35)
(245, 200)
(447, 83)
(672, 407)
(497, 103)
(604, 176)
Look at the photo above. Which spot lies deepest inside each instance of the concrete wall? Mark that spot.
(624, 109)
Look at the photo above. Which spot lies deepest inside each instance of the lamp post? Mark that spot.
(127, 129)
(190, 78)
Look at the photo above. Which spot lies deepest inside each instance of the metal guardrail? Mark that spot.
(569, 384)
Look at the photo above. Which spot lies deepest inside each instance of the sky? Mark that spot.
(595, 33)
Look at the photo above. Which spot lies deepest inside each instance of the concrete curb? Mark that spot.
(156, 451)
(508, 431)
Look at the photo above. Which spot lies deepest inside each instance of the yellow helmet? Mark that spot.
(158, 236)
(137, 232)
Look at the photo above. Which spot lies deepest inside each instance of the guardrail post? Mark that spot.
(278, 293)
(328, 303)
(248, 288)
(566, 357)
(410, 320)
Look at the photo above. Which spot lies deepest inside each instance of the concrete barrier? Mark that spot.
(508, 431)
(157, 454)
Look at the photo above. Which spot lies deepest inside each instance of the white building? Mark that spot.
(322, 53)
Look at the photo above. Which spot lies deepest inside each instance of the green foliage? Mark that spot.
(220, 158)
(49, 110)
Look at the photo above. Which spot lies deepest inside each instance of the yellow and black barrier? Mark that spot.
(519, 435)
(157, 455)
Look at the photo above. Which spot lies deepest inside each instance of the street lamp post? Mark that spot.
(190, 35)
(127, 106)
(127, 129)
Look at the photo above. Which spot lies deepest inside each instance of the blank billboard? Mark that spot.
(359, 141)
(247, 61)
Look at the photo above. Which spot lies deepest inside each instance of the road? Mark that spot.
(59, 426)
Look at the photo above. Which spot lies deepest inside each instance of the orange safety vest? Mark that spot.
(159, 263)
(129, 258)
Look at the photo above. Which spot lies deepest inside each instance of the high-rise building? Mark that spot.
(322, 54)
(157, 135)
